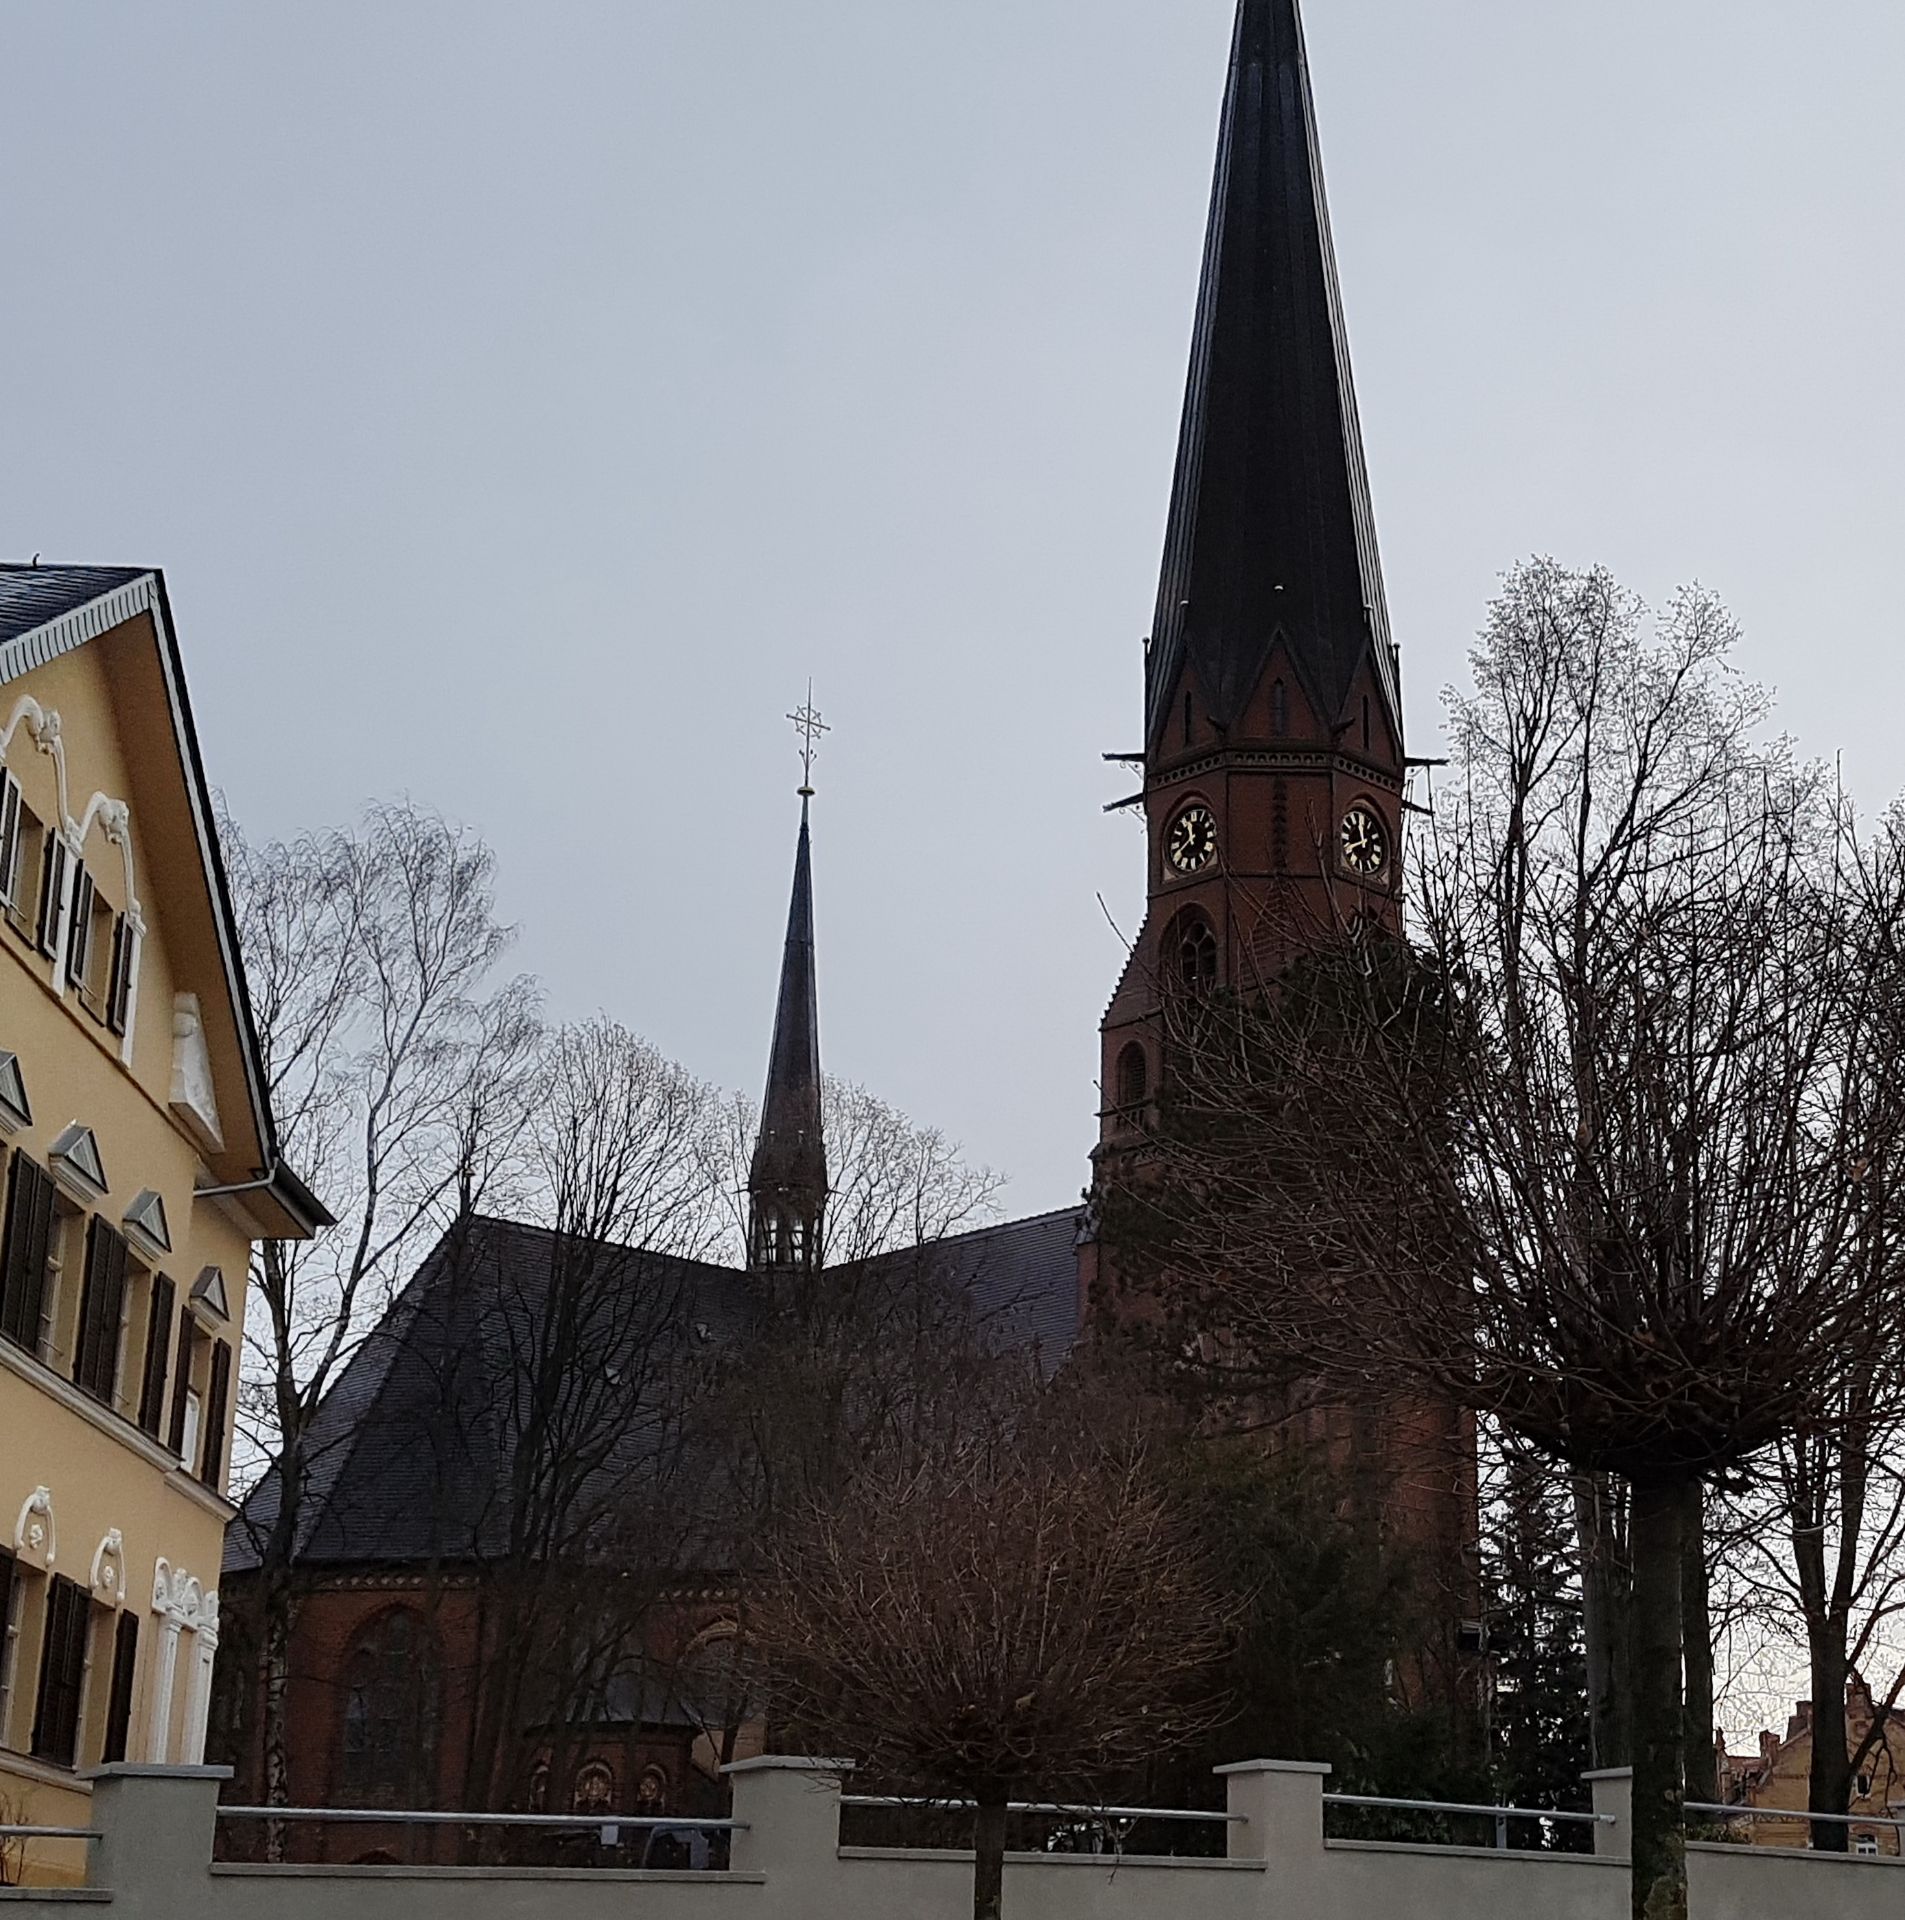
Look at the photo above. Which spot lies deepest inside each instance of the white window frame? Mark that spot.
(83, 1756)
(194, 1416)
(11, 805)
(53, 1293)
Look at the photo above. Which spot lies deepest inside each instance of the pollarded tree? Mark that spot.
(1606, 1150)
(1018, 1609)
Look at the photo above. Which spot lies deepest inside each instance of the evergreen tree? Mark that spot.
(1538, 1661)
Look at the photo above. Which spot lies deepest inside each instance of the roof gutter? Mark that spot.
(286, 1188)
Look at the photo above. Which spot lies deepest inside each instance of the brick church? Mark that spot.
(1272, 771)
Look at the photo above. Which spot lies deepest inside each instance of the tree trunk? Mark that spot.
(1604, 1624)
(1660, 1838)
(988, 1859)
(1702, 1766)
(1829, 1780)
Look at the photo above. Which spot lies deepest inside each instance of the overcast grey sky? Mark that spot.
(524, 400)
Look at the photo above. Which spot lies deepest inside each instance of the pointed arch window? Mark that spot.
(1279, 709)
(392, 1707)
(1190, 953)
(1134, 1080)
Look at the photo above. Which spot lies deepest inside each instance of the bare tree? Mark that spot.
(1820, 1528)
(1602, 1152)
(583, 1388)
(392, 1064)
(612, 1416)
(1019, 1608)
(1820, 1536)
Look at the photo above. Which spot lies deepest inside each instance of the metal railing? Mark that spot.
(1038, 1806)
(20, 1835)
(607, 1827)
(1895, 1821)
(1465, 1809)
(1074, 1828)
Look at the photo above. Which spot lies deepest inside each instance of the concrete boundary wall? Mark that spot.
(153, 1861)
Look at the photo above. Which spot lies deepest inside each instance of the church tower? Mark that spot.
(787, 1180)
(1273, 756)
(1273, 761)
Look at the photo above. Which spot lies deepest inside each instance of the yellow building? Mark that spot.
(1777, 1778)
(139, 1166)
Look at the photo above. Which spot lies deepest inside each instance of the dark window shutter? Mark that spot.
(181, 1384)
(125, 1660)
(218, 1404)
(158, 1342)
(52, 885)
(96, 1362)
(62, 1673)
(79, 930)
(119, 992)
(23, 1263)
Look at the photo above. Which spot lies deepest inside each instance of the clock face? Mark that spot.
(1365, 842)
(1191, 843)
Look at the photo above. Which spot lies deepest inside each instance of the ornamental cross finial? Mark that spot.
(809, 725)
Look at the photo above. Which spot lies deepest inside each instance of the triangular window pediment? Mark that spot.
(208, 1294)
(74, 1156)
(145, 1220)
(15, 1113)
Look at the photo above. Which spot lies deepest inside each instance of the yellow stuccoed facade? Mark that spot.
(129, 1086)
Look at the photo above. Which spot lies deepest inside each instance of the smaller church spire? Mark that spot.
(787, 1182)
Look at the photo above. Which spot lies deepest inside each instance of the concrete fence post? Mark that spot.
(790, 1813)
(1281, 1804)
(155, 1826)
(1613, 1792)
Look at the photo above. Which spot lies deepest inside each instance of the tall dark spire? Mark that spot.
(787, 1182)
(1270, 528)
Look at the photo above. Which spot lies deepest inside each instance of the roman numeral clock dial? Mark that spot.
(1191, 843)
(1365, 843)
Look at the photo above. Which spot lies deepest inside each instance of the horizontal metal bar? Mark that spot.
(48, 1833)
(1039, 1806)
(1456, 1806)
(1800, 1813)
(579, 1822)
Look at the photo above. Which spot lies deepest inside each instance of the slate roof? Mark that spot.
(1023, 1279)
(31, 596)
(1271, 528)
(412, 1449)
